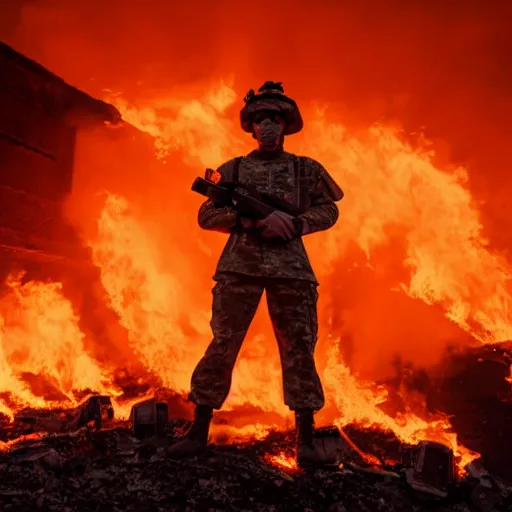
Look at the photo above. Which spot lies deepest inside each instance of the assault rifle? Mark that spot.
(248, 201)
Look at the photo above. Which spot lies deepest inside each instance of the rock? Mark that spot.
(100, 474)
(337, 507)
(484, 499)
(52, 460)
(40, 501)
(385, 474)
(52, 484)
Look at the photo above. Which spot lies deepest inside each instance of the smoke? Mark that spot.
(442, 66)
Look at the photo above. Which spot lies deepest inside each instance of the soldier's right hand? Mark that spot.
(277, 225)
(247, 223)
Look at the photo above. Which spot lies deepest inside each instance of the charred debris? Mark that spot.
(86, 459)
(114, 470)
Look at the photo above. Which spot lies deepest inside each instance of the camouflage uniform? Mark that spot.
(251, 264)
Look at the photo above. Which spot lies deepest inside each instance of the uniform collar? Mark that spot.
(264, 155)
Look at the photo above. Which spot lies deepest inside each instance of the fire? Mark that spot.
(393, 188)
(282, 460)
(42, 351)
(448, 259)
(391, 184)
(193, 127)
(222, 434)
(358, 403)
(410, 224)
(151, 302)
(4, 446)
(147, 299)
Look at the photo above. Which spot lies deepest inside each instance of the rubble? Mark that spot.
(329, 444)
(96, 409)
(112, 470)
(487, 491)
(149, 418)
(85, 459)
(432, 469)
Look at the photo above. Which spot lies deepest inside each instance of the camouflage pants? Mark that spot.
(292, 309)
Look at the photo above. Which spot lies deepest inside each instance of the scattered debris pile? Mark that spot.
(86, 459)
(113, 470)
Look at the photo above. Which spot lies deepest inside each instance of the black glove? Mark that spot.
(278, 225)
(246, 223)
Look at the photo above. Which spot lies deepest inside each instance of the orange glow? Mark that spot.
(417, 263)
(31, 437)
(225, 434)
(39, 336)
(283, 461)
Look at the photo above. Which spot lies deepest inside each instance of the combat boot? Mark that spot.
(196, 440)
(306, 453)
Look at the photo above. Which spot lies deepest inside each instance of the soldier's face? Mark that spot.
(268, 130)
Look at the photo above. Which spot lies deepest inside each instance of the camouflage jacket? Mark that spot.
(297, 180)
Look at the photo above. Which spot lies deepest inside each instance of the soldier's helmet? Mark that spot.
(271, 97)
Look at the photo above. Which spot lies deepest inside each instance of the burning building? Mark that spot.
(40, 118)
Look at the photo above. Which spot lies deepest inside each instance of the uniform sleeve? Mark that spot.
(223, 219)
(323, 212)
(216, 219)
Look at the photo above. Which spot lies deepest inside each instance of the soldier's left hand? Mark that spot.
(277, 225)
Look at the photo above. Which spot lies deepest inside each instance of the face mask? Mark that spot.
(269, 134)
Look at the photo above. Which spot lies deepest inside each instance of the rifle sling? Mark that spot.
(300, 184)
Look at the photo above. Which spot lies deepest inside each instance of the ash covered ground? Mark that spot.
(112, 471)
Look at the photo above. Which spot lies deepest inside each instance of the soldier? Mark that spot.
(266, 255)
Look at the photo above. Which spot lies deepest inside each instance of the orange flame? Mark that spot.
(282, 460)
(389, 183)
(39, 336)
(404, 272)
(393, 189)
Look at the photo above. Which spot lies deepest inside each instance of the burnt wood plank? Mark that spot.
(27, 170)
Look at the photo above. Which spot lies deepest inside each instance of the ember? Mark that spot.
(283, 460)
